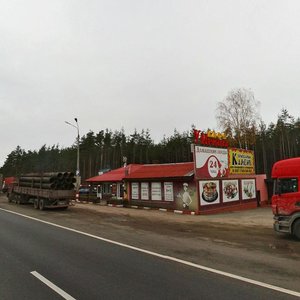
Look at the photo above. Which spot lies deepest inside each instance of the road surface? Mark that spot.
(42, 261)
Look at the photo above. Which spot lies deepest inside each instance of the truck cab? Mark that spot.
(286, 196)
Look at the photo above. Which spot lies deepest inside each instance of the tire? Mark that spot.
(18, 199)
(36, 203)
(42, 204)
(296, 229)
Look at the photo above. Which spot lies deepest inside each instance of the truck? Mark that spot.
(286, 196)
(7, 182)
(46, 190)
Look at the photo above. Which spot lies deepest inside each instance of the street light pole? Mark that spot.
(77, 165)
(78, 138)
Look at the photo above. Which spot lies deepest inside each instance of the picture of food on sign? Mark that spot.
(248, 188)
(230, 190)
(210, 192)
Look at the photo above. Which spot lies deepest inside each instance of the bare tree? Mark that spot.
(238, 115)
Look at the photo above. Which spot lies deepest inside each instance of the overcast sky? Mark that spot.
(156, 64)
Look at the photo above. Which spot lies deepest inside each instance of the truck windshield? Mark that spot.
(286, 185)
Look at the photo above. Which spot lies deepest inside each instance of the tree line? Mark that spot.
(107, 149)
(101, 151)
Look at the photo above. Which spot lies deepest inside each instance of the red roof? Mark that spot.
(114, 175)
(162, 171)
(135, 171)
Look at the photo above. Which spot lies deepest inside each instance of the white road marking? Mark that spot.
(52, 286)
(170, 258)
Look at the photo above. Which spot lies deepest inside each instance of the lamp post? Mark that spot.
(77, 165)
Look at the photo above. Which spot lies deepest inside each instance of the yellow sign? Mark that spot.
(241, 161)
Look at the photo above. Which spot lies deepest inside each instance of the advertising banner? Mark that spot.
(186, 195)
(230, 190)
(241, 162)
(209, 192)
(248, 189)
(211, 162)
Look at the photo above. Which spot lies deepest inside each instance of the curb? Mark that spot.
(175, 211)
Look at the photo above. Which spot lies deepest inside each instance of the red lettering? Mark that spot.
(210, 138)
(196, 135)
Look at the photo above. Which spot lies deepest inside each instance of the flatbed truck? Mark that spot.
(42, 195)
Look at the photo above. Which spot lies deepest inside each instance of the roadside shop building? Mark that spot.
(219, 179)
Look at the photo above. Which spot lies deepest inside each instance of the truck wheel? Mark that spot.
(36, 203)
(296, 229)
(42, 204)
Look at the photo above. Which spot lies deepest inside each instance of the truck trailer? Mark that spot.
(47, 190)
(286, 196)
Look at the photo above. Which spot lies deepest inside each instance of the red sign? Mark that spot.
(211, 162)
(211, 138)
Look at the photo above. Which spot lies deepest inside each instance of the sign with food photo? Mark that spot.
(230, 190)
(209, 192)
(248, 189)
(211, 162)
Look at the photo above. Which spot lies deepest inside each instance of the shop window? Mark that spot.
(145, 191)
(106, 188)
(134, 190)
(156, 191)
(168, 191)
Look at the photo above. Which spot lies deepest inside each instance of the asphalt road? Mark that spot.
(82, 267)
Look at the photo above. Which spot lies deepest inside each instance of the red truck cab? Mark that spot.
(286, 196)
(8, 183)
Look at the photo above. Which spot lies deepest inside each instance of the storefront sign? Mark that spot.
(241, 161)
(210, 138)
(211, 162)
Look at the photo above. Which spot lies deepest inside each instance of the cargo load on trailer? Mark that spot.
(286, 196)
(46, 190)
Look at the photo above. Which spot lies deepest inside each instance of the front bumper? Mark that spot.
(282, 224)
